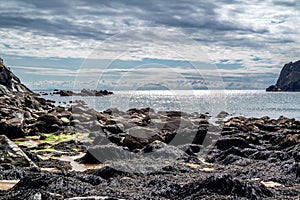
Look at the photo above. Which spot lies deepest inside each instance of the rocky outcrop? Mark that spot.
(289, 79)
(85, 92)
(9, 82)
(11, 153)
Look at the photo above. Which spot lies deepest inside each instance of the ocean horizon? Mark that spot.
(248, 103)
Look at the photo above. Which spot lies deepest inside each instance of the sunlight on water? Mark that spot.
(254, 103)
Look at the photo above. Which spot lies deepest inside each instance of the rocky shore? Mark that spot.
(53, 152)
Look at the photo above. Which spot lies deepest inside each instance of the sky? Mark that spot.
(189, 44)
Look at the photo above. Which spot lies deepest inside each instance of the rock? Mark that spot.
(173, 114)
(65, 120)
(286, 141)
(177, 123)
(222, 114)
(227, 143)
(12, 128)
(101, 139)
(270, 155)
(272, 88)
(9, 82)
(11, 153)
(85, 92)
(114, 129)
(52, 186)
(50, 119)
(224, 184)
(81, 117)
(30, 102)
(105, 153)
(186, 136)
(162, 151)
(107, 172)
(228, 156)
(66, 114)
(289, 78)
(137, 137)
(66, 93)
(43, 127)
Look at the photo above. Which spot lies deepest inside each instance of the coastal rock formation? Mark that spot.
(85, 92)
(9, 82)
(11, 153)
(289, 79)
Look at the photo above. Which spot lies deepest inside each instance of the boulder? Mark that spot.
(186, 136)
(137, 137)
(225, 184)
(161, 151)
(66, 93)
(11, 153)
(50, 119)
(12, 128)
(30, 102)
(226, 143)
(105, 153)
(113, 129)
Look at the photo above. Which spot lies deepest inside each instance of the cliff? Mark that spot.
(289, 78)
(10, 82)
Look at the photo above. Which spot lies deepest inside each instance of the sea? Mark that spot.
(249, 103)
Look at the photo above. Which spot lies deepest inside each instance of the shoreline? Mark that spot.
(150, 150)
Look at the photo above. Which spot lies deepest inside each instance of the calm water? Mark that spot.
(252, 103)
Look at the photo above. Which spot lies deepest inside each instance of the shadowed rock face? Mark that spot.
(9, 82)
(289, 79)
(11, 153)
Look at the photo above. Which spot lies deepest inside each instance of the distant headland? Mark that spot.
(289, 79)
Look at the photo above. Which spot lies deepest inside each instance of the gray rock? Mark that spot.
(289, 78)
(105, 153)
(9, 82)
(12, 128)
(11, 153)
(137, 137)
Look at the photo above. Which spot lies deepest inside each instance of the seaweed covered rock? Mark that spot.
(224, 184)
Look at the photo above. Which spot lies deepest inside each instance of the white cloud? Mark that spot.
(260, 36)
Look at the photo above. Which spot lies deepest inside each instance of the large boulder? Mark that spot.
(11, 153)
(12, 128)
(137, 137)
(105, 153)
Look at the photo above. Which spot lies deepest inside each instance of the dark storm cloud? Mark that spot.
(88, 19)
(45, 27)
(293, 3)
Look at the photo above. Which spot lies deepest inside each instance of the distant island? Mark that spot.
(289, 79)
(85, 92)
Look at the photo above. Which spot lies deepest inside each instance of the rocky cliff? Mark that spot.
(289, 79)
(9, 82)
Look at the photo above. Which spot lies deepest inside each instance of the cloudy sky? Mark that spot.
(232, 44)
